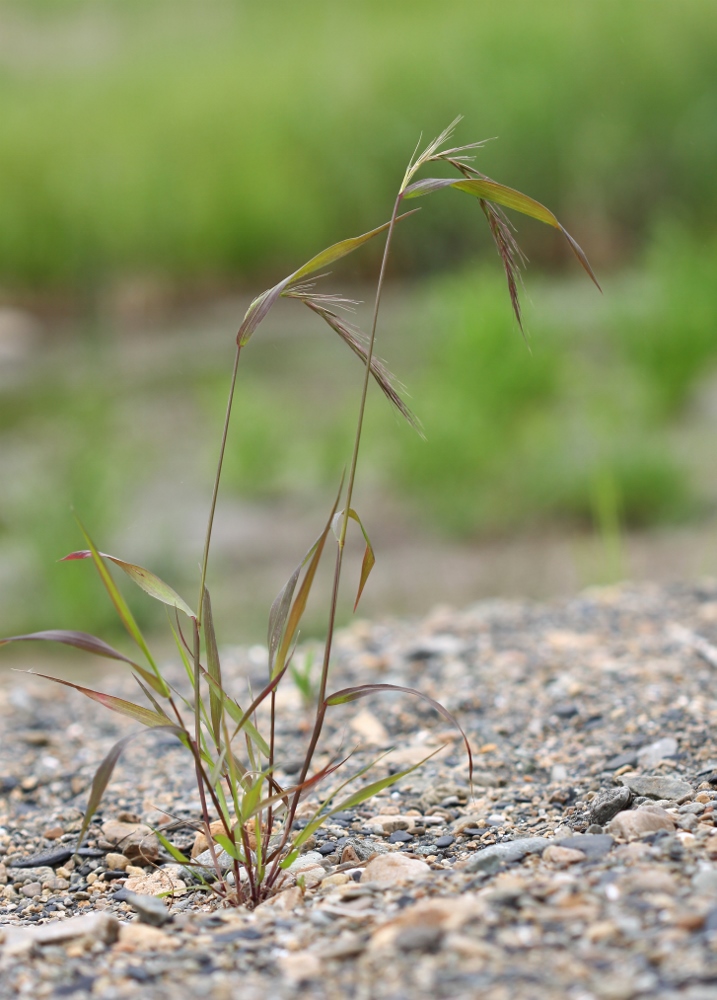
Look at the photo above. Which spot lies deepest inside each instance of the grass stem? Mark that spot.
(215, 490)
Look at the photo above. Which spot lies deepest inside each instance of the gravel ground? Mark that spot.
(583, 866)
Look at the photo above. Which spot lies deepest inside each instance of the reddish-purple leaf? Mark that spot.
(362, 690)
(80, 640)
(137, 712)
(293, 619)
(369, 559)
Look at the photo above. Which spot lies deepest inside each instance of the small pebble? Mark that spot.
(400, 837)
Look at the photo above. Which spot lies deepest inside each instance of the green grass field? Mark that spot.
(205, 142)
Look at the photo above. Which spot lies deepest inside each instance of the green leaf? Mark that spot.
(216, 692)
(500, 194)
(280, 609)
(149, 696)
(171, 849)
(231, 849)
(137, 712)
(159, 686)
(218, 768)
(126, 616)
(234, 711)
(251, 797)
(149, 583)
(284, 793)
(369, 559)
(263, 303)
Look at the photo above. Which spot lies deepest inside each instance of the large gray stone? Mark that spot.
(650, 756)
(491, 858)
(637, 822)
(608, 803)
(150, 909)
(593, 845)
(100, 927)
(657, 787)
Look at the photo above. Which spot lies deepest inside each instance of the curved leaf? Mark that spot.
(137, 712)
(363, 690)
(149, 582)
(80, 640)
(369, 559)
(263, 303)
(121, 606)
(294, 616)
(500, 194)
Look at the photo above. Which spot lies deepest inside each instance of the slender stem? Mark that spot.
(321, 707)
(215, 491)
(367, 373)
(197, 761)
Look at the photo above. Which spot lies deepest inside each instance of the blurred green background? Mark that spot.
(161, 162)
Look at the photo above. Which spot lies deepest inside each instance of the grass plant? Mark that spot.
(234, 762)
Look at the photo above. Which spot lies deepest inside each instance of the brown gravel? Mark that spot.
(591, 720)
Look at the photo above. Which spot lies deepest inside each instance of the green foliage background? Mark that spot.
(221, 139)
(209, 147)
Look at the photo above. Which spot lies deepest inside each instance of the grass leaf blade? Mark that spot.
(148, 581)
(501, 194)
(369, 558)
(103, 775)
(121, 606)
(137, 712)
(299, 605)
(216, 692)
(263, 303)
(80, 640)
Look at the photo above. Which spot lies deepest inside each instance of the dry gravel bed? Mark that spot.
(584, 866)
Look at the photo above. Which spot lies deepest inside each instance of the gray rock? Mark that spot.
(491, 858)
(697, 808)
(608, 803)
(650, 756)
(308, 860)
(705, 882)
(101, 927)
(225, 861)
(363, 847)
(627, 759)
(593, 846)
(348, 945)
(657, 787)
(150, 909)
(18, 876)
(426, 938)
(687, 822)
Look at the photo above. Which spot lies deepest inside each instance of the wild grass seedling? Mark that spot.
(234, 762)
(301, 670)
